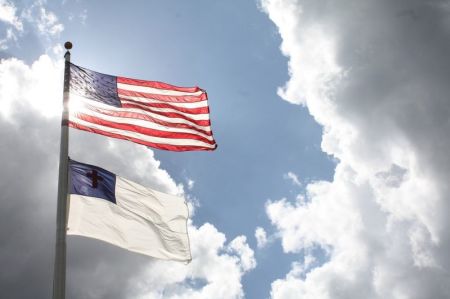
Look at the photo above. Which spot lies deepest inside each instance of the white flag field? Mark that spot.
(123, 213)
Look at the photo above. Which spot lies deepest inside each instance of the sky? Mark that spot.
(332, 120)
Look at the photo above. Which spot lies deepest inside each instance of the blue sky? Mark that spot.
(231, 50)
(318, 92)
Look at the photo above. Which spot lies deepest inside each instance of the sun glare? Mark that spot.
(76, 104)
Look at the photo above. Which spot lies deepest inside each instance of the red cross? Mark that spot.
(95, 178)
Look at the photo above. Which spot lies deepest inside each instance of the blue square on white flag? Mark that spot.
(92, 181)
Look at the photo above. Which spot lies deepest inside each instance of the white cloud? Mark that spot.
(261, 237)
(48, 23)
(38, 86)
(83, 16)
(190, 184)
(14, 24)
(33, 16)
(293, 178)
(244, 252)
(10, 36)
(367, 71)
(8, 14)
(216, 268)
(30, 102)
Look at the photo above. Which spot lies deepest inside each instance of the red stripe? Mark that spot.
(143, 130)
(199, 110)
(146, 117)
(161, 97)
(156, 84)
(162, 146)
(199, 122)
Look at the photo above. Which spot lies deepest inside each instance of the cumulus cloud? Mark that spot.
(30, 106)
(190, 184)
(46, 22)
(8, 14)
(37, 87)
(22, 19)
(83, 16)
(14, 24)
(374, 75)
(293, 178)
(261, 237)
(216, 271)
(10, 36)
(246, 255)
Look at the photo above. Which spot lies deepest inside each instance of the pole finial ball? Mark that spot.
(68, 45)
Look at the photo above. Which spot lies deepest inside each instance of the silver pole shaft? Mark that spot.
(59, 273)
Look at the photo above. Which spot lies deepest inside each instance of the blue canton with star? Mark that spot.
(93, 85)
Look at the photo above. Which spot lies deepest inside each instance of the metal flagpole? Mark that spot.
(59, 273)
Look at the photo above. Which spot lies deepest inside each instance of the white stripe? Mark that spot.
(76, 103)
(159, 140)
(142, 123)
(152, 90)
(173, 120)
(143, 100)
(204, 116)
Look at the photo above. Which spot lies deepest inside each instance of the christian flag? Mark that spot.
(151, 113)
(113, 209)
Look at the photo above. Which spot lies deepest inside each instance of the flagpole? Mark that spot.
(59, 273)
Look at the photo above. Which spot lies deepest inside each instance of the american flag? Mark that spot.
(151, 113)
